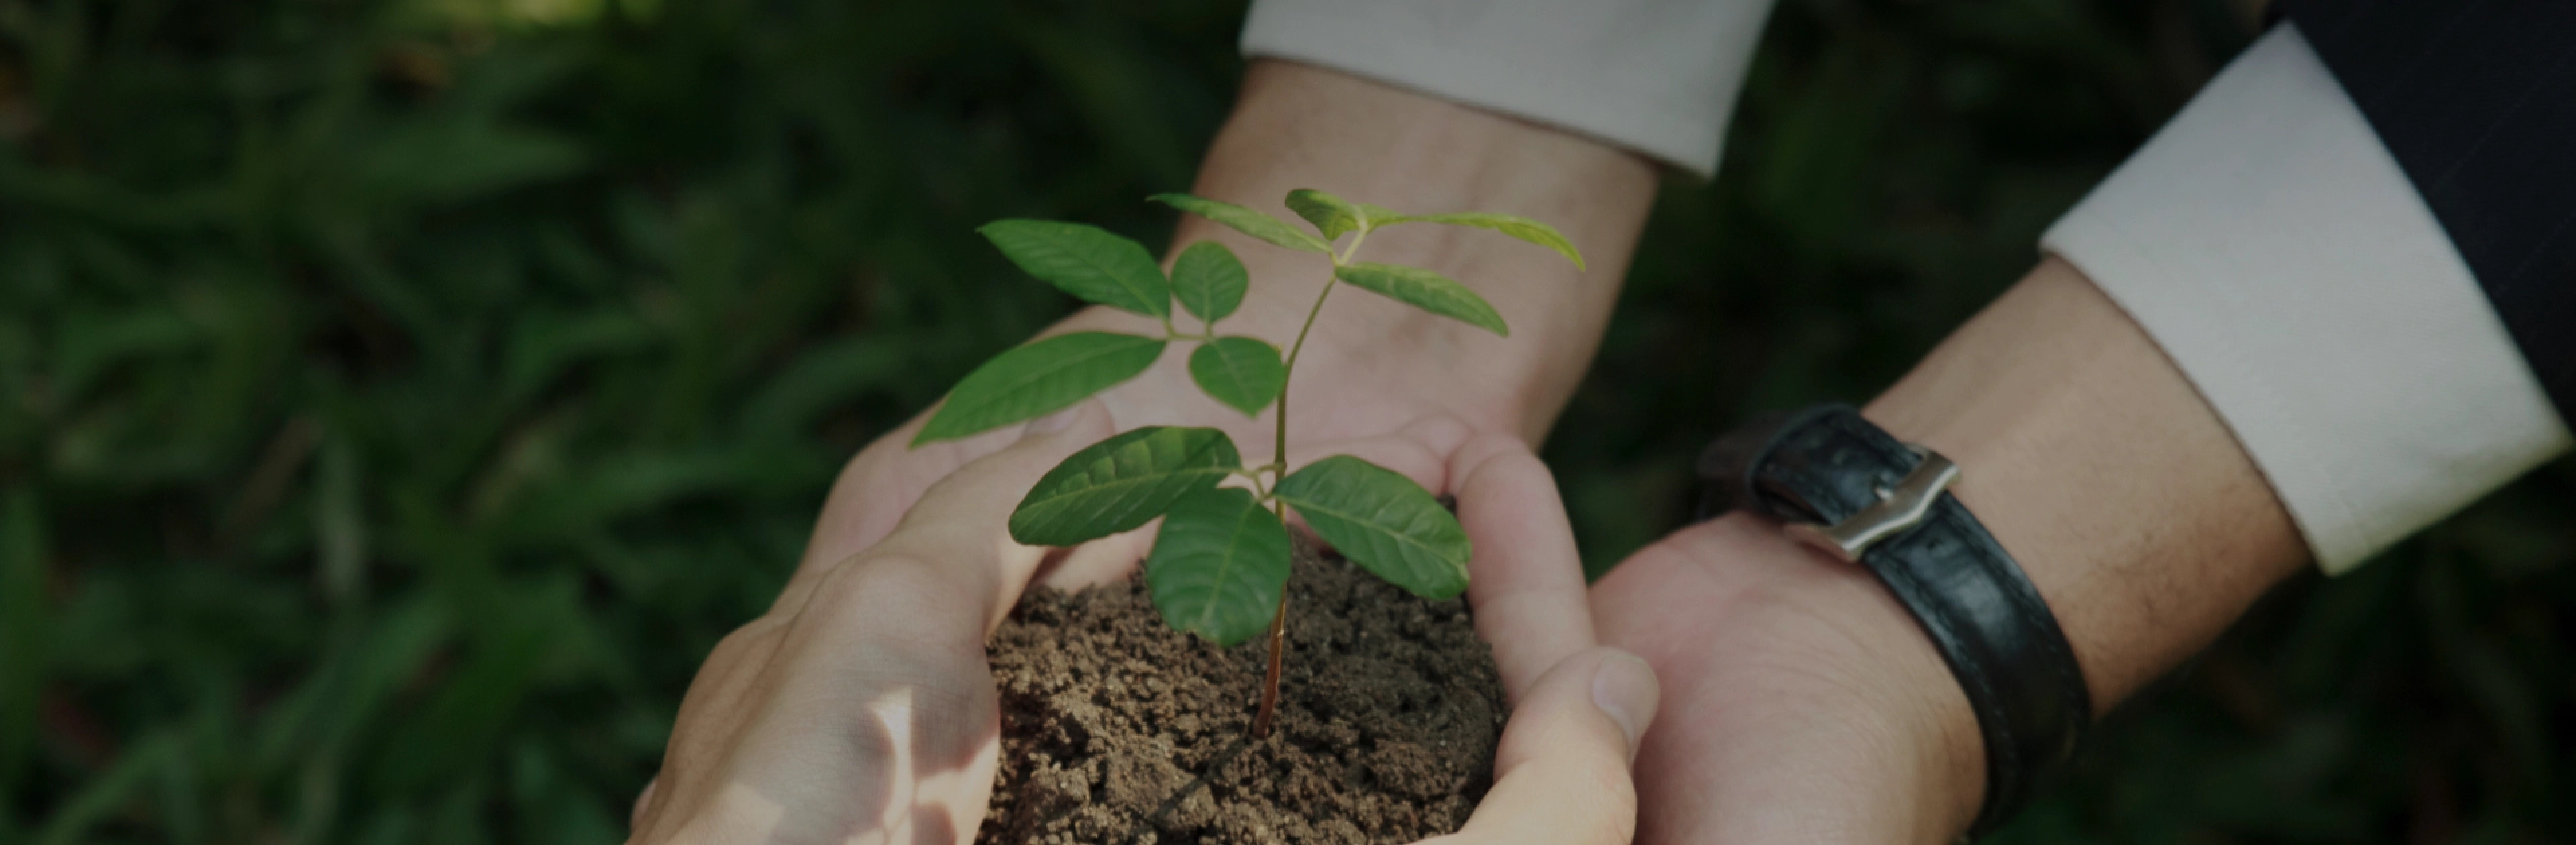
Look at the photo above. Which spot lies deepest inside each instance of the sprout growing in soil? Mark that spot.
(1220, 567)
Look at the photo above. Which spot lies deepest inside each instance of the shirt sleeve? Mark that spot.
(1655, 76)
(2275, 250)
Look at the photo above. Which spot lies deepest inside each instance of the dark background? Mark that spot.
(398, 399)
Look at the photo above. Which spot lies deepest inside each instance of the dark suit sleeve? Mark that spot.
(2476, 101)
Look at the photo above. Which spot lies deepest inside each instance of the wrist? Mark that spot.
(2091, 458)
(1297, 126)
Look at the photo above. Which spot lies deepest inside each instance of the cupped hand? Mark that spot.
(1371, 368)
(861, 708)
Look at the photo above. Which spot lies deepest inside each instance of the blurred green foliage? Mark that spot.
(398, 399)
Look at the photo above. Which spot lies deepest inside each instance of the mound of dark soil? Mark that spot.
(1118, 729)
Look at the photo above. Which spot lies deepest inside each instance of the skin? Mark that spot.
(1372, 366)
(1817, 710)
(1407, 391)
(864, 711)
(1803, 703)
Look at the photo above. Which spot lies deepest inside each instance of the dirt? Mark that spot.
(1116, 728)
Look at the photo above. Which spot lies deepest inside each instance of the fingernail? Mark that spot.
(1054, 422)
(1624, 687)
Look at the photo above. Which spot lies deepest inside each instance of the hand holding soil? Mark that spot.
(862, 708)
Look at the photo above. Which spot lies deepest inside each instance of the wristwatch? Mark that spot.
(1846, 486)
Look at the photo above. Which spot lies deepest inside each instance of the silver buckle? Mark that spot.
(1896, 510)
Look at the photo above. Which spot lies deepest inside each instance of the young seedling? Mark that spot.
(1220, 567)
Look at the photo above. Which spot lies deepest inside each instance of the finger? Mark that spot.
(1525, 579)
(876, 713)
(878, 653)
(876, 488)
(1103, 560)
(1561, 774)
(644, 799)
(719, 702)
(961, 523)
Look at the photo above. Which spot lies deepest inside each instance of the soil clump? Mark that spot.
(1115, 728)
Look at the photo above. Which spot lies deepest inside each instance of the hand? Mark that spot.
(1372, 367)
(1819, 711)
(862, 707)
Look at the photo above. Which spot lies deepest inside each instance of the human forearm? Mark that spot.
(1369, 371)
(2118, 490)
(2114, 485)
(1296, 126)
(2084, 452)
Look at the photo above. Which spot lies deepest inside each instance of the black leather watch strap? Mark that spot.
(1824, 466)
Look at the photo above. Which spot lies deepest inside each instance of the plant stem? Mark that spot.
(1279, 456)
(1290, 372)
(1270, 679)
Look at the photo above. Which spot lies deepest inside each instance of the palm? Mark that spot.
(1800, 676)
(1351, 385)
(1348, 384)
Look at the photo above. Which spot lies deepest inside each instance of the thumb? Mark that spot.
(1561, 774)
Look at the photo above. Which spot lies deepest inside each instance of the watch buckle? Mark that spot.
(1898, 508)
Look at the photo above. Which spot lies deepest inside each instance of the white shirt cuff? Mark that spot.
(2271, 245)
(1656, 76)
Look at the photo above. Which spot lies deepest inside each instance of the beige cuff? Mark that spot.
(2270, 244)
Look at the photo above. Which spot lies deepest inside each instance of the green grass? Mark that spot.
(397, 400)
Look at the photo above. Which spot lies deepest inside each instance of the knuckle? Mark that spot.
(1611, 810)
(1442, 430)
(1619, 826)
(875, 578)
(746, 637)
(1495, 443)
(896, 597)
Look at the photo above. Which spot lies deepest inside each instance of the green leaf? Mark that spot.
(1121, 483)
(137, 768)
(1519, 227)
(1037, 379)
(1209, 281)
(1246, 220)
(1242, 372)
(1219, 565)
(1426, 290)
(1086, 261)
(1384, 522)
(1331, 214)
